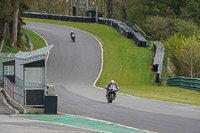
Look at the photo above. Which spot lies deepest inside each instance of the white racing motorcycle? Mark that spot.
(111, 93)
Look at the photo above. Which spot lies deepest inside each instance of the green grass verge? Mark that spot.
(128, 65)
(37, 41)
(8, 49)
(163, 93)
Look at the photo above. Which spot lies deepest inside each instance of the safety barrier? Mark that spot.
(125, 30)
(16, 92)
(24, 94)
(122, 27)
(159, 51)
(27, 38)
(183, 82)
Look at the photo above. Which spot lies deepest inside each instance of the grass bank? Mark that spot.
(128, 65)
(37, 41)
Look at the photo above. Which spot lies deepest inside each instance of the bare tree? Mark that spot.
(109, 8)
(5, 18)
(15, 21)
(3, 36)
(189, 57)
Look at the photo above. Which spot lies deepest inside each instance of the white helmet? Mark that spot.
(71, 30)
(112, 81)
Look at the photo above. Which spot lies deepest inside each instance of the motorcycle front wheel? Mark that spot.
(109, 101)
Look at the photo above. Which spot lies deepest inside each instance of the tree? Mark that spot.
(186, 28)
(159, 27)
(15, 21)
(189, 57)
(184, 54)
(5, 18)
(109, 8)
(191, 11)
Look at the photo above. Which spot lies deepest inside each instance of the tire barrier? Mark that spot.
(125, 30)
(159, 51)
(183, 82)
(120, 26)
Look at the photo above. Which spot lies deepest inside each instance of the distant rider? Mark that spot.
(112, 82)
(72, 34)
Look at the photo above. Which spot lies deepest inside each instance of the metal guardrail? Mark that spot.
(16, 92)
(158, 59)
(28, 38)
(183, 82)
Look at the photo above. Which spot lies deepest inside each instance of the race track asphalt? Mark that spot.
(9, 123)
(73, 68)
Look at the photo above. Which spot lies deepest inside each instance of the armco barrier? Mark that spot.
(64, 18)
(44, 16)
(159, 51)
(183, 82)
(122, 27)
(15, 92)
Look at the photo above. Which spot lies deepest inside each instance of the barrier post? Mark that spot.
(13, 91)
(10, 89)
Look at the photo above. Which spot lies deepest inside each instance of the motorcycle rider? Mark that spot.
(112, 82)
(72, 34)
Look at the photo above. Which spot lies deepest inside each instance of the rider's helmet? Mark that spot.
(112, 81)
(71, 31)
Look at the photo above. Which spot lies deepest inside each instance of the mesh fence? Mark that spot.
(183, 82)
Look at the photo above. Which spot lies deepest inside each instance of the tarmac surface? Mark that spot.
(10, 123)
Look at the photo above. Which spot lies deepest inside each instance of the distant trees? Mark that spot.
(132, 11)
(184, 54)
(50, 6)
(159, 27)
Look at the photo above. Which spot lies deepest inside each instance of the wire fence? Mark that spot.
(183, 82)
(16, 92)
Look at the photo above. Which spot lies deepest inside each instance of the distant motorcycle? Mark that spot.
(73, 37)
(111, 93)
